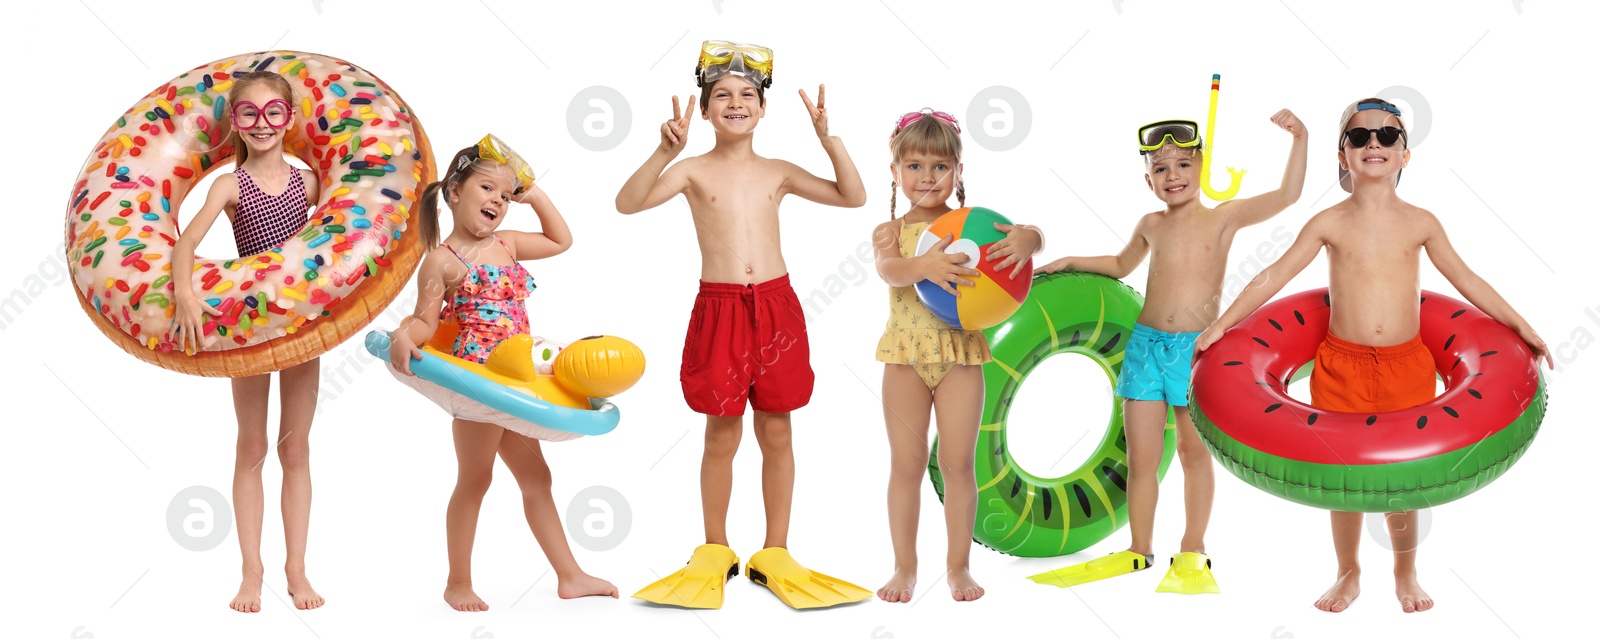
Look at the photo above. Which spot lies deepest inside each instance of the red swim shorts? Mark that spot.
(746, 341)
(1355, 378)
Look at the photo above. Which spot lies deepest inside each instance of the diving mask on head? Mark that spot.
(720, 58)
(1172, 134)
(491, 149)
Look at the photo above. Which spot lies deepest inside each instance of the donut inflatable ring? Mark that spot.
(1028, 515)
(291, 303)
(1419, 457)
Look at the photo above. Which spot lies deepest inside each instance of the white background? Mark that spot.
(97, 443)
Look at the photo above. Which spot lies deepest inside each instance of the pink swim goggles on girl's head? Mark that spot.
(917, 115)
(246, 114)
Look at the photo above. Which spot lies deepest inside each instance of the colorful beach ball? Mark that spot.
(994, 296)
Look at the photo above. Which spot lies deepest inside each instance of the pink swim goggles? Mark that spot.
(917, 115)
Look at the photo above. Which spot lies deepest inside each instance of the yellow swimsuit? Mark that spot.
(916, 338)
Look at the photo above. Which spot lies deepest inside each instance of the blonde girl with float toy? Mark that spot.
(267, 201)
(928, 365)
(476, 278)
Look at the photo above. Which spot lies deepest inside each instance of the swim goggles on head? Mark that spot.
(719, 58)
(491, 149)
(1180, 133)
(908, 118)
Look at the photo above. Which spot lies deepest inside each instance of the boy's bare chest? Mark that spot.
(1375, 243)
(1188, 242)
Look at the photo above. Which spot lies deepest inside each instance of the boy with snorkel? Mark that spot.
(1373, 359)
(747, 335)
(1189, 247)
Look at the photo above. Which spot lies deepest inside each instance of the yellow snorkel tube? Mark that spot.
(1235, 176)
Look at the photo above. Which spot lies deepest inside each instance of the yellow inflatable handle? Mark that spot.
(1235, 176)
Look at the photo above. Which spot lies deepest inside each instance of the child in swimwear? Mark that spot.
(267, 201)
(1188, 244)
(747, 340)
(927, 364)
(479, 273)
(1373, 359)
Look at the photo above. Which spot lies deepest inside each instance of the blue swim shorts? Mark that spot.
(1156, 365)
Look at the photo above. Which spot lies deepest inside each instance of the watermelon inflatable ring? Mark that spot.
(1419, 457)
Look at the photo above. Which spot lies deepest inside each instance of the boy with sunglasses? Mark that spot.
(1373, 359)
(1189, 247)
(747, 335)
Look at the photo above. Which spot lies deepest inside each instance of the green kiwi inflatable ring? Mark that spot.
(1021, 513)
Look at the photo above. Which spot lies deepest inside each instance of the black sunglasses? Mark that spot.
(1387, 136)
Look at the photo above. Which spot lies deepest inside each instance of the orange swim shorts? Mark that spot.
(1356, 378)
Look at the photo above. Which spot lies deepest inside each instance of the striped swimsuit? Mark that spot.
(263, 221)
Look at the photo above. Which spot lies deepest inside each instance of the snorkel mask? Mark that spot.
(1159, 140)
(720, 58)
(491, 149)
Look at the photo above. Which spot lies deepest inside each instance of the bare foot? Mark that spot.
(899, 588)
(249, 597)
(305, 597)
(461, 597)
(585, 585)
(1412, 598)
(963, 587)
(1342, 594)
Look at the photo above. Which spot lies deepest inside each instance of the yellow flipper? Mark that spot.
(699, 584)
(1190, 574)
(1112, 565)
(798, 586)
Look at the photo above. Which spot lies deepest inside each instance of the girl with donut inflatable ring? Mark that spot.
(1373, 360)
(267, 201)
(476, 277)
(301, 284)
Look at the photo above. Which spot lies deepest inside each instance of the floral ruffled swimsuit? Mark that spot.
(916, 338)
(488, 306)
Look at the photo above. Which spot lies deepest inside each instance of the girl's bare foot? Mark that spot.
(249, 597)
(1412, 597)
(585, 585)
(963, 587)
(461, 597)
(1342, 594)
(300, 590)
(899, 588)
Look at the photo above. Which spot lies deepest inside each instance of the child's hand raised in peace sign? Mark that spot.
(675, 132)
(819, 112)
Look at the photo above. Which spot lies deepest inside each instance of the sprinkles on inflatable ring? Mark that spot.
(281, 307)
(1419, 457)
